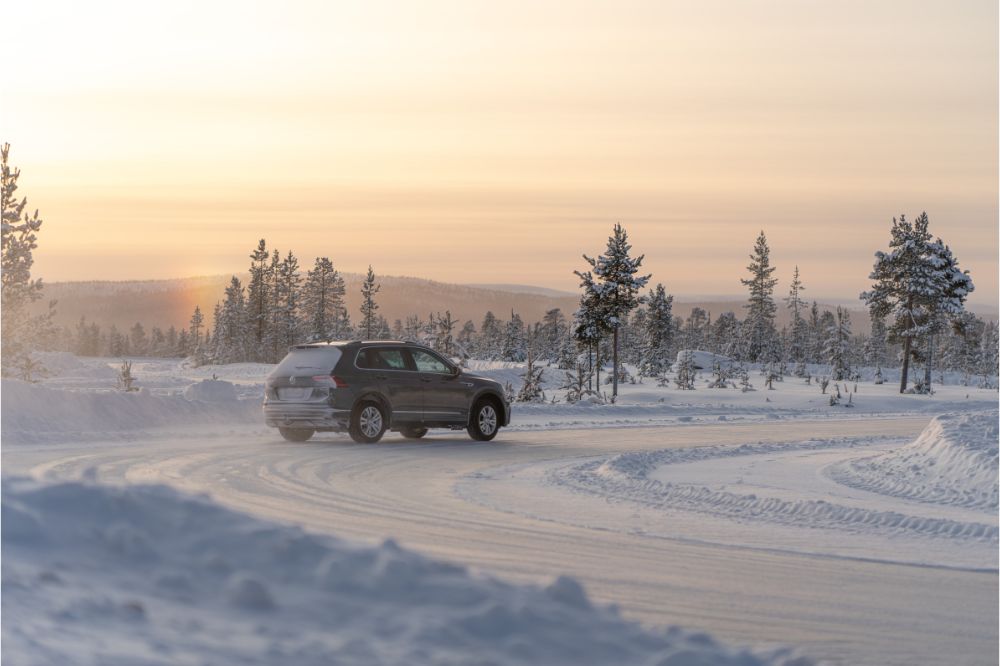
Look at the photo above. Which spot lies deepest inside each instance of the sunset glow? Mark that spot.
(480, 142)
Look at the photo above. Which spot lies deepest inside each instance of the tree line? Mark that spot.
(916, 304)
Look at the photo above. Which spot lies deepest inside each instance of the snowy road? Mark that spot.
(467, 501)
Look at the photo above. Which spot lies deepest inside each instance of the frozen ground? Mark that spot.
(144, 575)
(764, 518)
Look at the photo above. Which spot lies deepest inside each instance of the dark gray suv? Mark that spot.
(366, 388)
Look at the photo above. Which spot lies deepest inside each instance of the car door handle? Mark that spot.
(426, 380)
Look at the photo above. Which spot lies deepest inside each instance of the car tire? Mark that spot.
(413, 433)
(296, 434)
(484, 423)
(368, 422)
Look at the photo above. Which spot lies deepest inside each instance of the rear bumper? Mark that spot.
(318, 416)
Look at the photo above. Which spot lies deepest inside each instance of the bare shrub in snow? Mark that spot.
(125, 377)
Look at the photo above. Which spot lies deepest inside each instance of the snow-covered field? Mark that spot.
(859, 535)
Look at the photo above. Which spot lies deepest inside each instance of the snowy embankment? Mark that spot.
(642, 477)
(144, 574)
(953, 462)
(36, 413)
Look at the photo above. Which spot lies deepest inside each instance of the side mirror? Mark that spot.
(456, 371)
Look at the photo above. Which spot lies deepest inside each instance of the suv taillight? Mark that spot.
(329, 380)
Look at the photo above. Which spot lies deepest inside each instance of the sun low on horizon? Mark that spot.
(497, 142)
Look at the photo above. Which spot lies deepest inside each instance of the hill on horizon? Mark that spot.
(170, 302)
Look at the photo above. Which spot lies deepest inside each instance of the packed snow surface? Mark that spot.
(143, 574)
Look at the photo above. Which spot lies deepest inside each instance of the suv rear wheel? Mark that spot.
(485, 421)
(296, 434)
(367, 423)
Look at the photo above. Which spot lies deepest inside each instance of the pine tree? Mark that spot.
(876, 348)
(514, 345)
(490, 336)
(138, 340)
(816, 334)
(260, 301)
(837, 348)
(658, 334)
(799, 334)
(368, 305)
(195, 326)
(287, 327)
(20, 332)
(230, 335)
(916, 285)
(726, 331)
(322, 301)
(590, 322)
(444, 339)
(553, 331)
(616, 287)
(759, 328)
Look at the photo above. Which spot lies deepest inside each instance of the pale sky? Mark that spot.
(497, 141)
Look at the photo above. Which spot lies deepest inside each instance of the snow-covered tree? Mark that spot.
(138, 340)
(616, 286)
(288, 326)
(758, 329)
(590, 322)
(260, 302)
(915, 286)
(490, 338)
(553, 332)
(230, 335)
(837, 347)
(727, 332)
(685, 371)
(513, 346)
(20, 331)
(658, 333)
(444, 334)
(798, 336)
(323, 301)
(876, 348)
(531, 382)
(368, 305)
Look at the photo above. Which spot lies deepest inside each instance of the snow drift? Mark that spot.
(32, 412)
(144, 574)
(954, 462)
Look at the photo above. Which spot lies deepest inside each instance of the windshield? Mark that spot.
(308, 361)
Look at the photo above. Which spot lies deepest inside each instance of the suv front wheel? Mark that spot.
(485, 422)
(367, 423)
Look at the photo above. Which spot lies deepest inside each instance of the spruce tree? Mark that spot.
(369, 307)
(20, 332)
(260, 301)
(915, 286)
(658, 334)
(231, 326)
(286, 306)
(838, 344)
(616, 287)
(322, 301)
(799, 334)
(758, 328)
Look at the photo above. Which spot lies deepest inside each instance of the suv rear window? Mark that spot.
(308, 360)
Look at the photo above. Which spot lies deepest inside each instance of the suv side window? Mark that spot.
(386, 359)
(427, 362)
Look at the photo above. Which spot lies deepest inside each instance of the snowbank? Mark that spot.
(143, 574)
(32, 412)
(953, 462)
(65, 364)
(638, 477)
